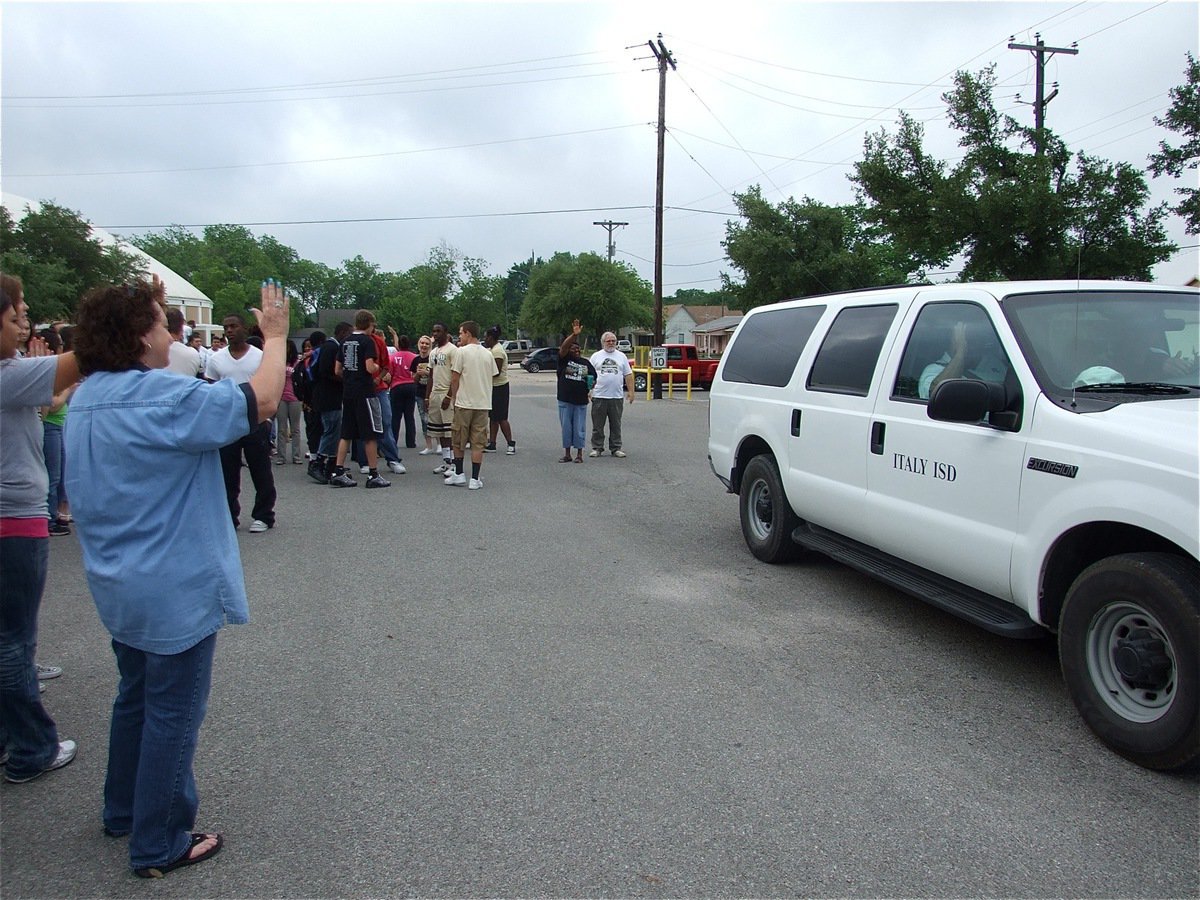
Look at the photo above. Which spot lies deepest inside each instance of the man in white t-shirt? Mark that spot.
(470, 395)
(181, 358)
(614, 385)
(238, 361)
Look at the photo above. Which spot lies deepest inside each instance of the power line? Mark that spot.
(430, 90)
(300, 162)
(310, 85)
(379, 219)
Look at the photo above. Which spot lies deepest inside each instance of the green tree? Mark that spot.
(53, 252)
(699, 297)
(516, 286)
(480, 296)
(1011, 212)
(602, 295)
(363, 283)
(227, 263)
(797, 249)
(1184, 119)
(315, 286)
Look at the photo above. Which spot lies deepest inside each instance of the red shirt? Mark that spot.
(383, 376)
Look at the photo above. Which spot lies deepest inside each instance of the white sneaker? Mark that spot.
(443, 469)
(66, 753)
(45, 673)
(595, 453)
(456, 479)
(425, 452)
(474, 484)
(258, 526)
(397, 468)
(364, 470)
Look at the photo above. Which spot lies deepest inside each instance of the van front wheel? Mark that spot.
(1129, 644)
(767, 517)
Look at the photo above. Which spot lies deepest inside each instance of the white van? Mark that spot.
(1022, 455)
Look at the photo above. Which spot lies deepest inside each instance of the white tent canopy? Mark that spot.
(180, 292)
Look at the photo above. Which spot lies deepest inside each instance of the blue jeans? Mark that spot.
(387, 442)
(331, 432)
(26, 730)
(573, 419)
(149, 791)
(52, 450)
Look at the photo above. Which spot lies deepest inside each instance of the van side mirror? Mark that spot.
(965, 400)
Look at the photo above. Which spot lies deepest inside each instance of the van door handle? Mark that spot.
(877, 429)
(795, 423)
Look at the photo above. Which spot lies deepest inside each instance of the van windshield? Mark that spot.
(1116, 345)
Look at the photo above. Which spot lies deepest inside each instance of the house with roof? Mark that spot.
(683, 323)
(713, 337)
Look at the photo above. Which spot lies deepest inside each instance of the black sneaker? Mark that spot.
(57, 529)
(378, 481)
(490, 448)
(344, 480)
(316, 471)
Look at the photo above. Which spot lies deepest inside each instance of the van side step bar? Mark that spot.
(958, 599)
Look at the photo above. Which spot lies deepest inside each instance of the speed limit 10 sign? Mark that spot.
(658, 357)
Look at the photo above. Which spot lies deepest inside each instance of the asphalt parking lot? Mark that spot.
(577, 682)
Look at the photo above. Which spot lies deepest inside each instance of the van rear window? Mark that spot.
(769, 344)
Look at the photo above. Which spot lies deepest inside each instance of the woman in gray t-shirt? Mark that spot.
(29, 743)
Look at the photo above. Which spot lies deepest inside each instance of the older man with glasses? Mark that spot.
(614, 384)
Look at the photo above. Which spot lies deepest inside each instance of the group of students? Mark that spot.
(358, 393)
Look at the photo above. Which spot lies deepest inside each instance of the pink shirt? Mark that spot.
(400, 361)
(289, 396)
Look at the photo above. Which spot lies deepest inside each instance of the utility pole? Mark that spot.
(663, 55)
(609, 226)
(1041, 53)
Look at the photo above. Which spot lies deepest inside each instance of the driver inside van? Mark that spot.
(973, 353)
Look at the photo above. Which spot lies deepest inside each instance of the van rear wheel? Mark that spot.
(767, 517)
(1129, 644)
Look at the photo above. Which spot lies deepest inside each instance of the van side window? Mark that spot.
(846, 362)
(768, 345)
(950, 340)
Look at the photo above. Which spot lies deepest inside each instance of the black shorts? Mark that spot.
(499, 411)
(362, 420)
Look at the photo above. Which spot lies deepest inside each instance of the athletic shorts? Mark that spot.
(470, 425)
(440, 420)
(499, 411)
(362, 420)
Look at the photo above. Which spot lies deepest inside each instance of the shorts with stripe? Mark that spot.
(362, 420)
(441, 421)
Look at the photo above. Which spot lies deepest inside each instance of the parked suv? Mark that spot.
(1022, 455)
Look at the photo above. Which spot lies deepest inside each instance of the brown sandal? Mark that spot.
(187, 859)
(566, 458)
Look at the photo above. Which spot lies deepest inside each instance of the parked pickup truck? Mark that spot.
(516, 349)
(683, 356)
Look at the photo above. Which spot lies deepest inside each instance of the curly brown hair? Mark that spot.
(111, 322)
(12, 293)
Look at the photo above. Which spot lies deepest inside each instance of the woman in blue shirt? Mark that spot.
(131, 417)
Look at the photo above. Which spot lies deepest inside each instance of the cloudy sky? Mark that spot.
(505, 129)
